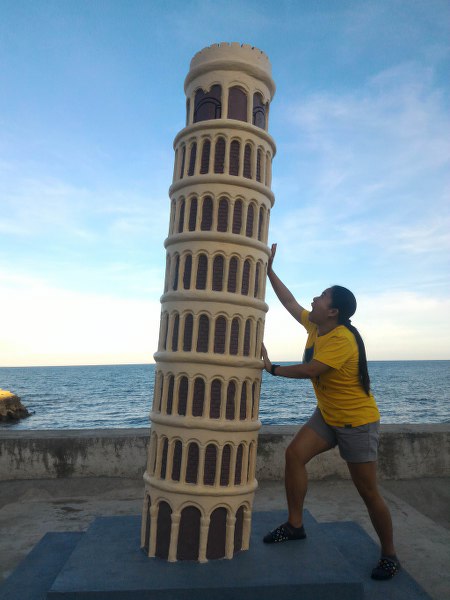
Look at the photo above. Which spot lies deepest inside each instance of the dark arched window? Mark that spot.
(250, 220)
(183, 159)
(234, 157)
(192, 158)
(207, 214)
(237, 104)
(243, 406)
(203, 334)
(193, 214)
(176, 273)
(258, 164)
(245, 278)
(210, 465)
(260, 223)
(237, 216)
(164, 458)
(217, 279)
(222, 217)
(268, 169)
(187, 335)
(219, 335)
(153, 453)
(217, 534)
(192, 463)
(231, 399)
(165, 330)
(159, 391)
(189, 534)
(206, 150)
(181, 217)
(256, 287)
(258, 339)
(170, 395)
(238, 530)
(259, 111)
(214, 406)
(182, 396)
(234, 337)
(238, 472)
(202, 272)
(219, 156)
(208, 104)
(225, 467)
(176, 461)
(248, 161)
(164, 524)
(254, 400)
(232, 274)
(247, 337)
(198, 398)
(176, 326)
(187, 272)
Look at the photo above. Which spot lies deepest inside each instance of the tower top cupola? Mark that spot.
(232, 57)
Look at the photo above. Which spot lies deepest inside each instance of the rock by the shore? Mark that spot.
(11, 408)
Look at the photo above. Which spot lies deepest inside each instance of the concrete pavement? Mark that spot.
(420, 511)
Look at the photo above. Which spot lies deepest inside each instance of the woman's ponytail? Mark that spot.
(344, 300)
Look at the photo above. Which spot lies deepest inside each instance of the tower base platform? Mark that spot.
(105, 563)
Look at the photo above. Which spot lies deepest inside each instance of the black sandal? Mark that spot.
(284, 533)
(386, 568)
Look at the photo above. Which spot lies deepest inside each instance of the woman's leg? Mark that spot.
(364, 476)
(305, 445)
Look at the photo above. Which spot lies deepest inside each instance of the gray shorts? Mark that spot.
(356, 444)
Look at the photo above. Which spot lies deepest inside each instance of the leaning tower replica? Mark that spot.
(200, 477)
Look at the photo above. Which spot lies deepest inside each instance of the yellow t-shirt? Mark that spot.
(340, 396)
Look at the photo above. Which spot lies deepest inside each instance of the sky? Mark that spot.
(91, 99)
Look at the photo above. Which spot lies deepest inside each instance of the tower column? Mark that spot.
(204, 529)
(229, 545)
(153, 530)
(176, 517)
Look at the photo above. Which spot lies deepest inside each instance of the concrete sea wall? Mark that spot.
(406, 452)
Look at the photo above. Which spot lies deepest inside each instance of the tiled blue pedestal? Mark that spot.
(105, 563)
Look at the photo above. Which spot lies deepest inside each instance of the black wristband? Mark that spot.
(272, 369)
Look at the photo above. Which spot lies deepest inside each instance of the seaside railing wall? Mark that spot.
(406, 452)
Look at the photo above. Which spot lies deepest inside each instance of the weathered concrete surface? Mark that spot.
(29, 509)
(78, 453)
(406, 452)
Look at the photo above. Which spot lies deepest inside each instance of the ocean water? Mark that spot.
(120, 396)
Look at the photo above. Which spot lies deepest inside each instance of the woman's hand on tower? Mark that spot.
(265, 357)
(271, 257)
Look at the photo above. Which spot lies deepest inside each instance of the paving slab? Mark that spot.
(34, 576)
(31, 508)
(362, 553)
(107, 564)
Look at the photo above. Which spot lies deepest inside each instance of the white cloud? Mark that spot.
(405, 325)
(52, 207)
(381, 137)
(42, 325)
(368, 194)
(395, 326)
